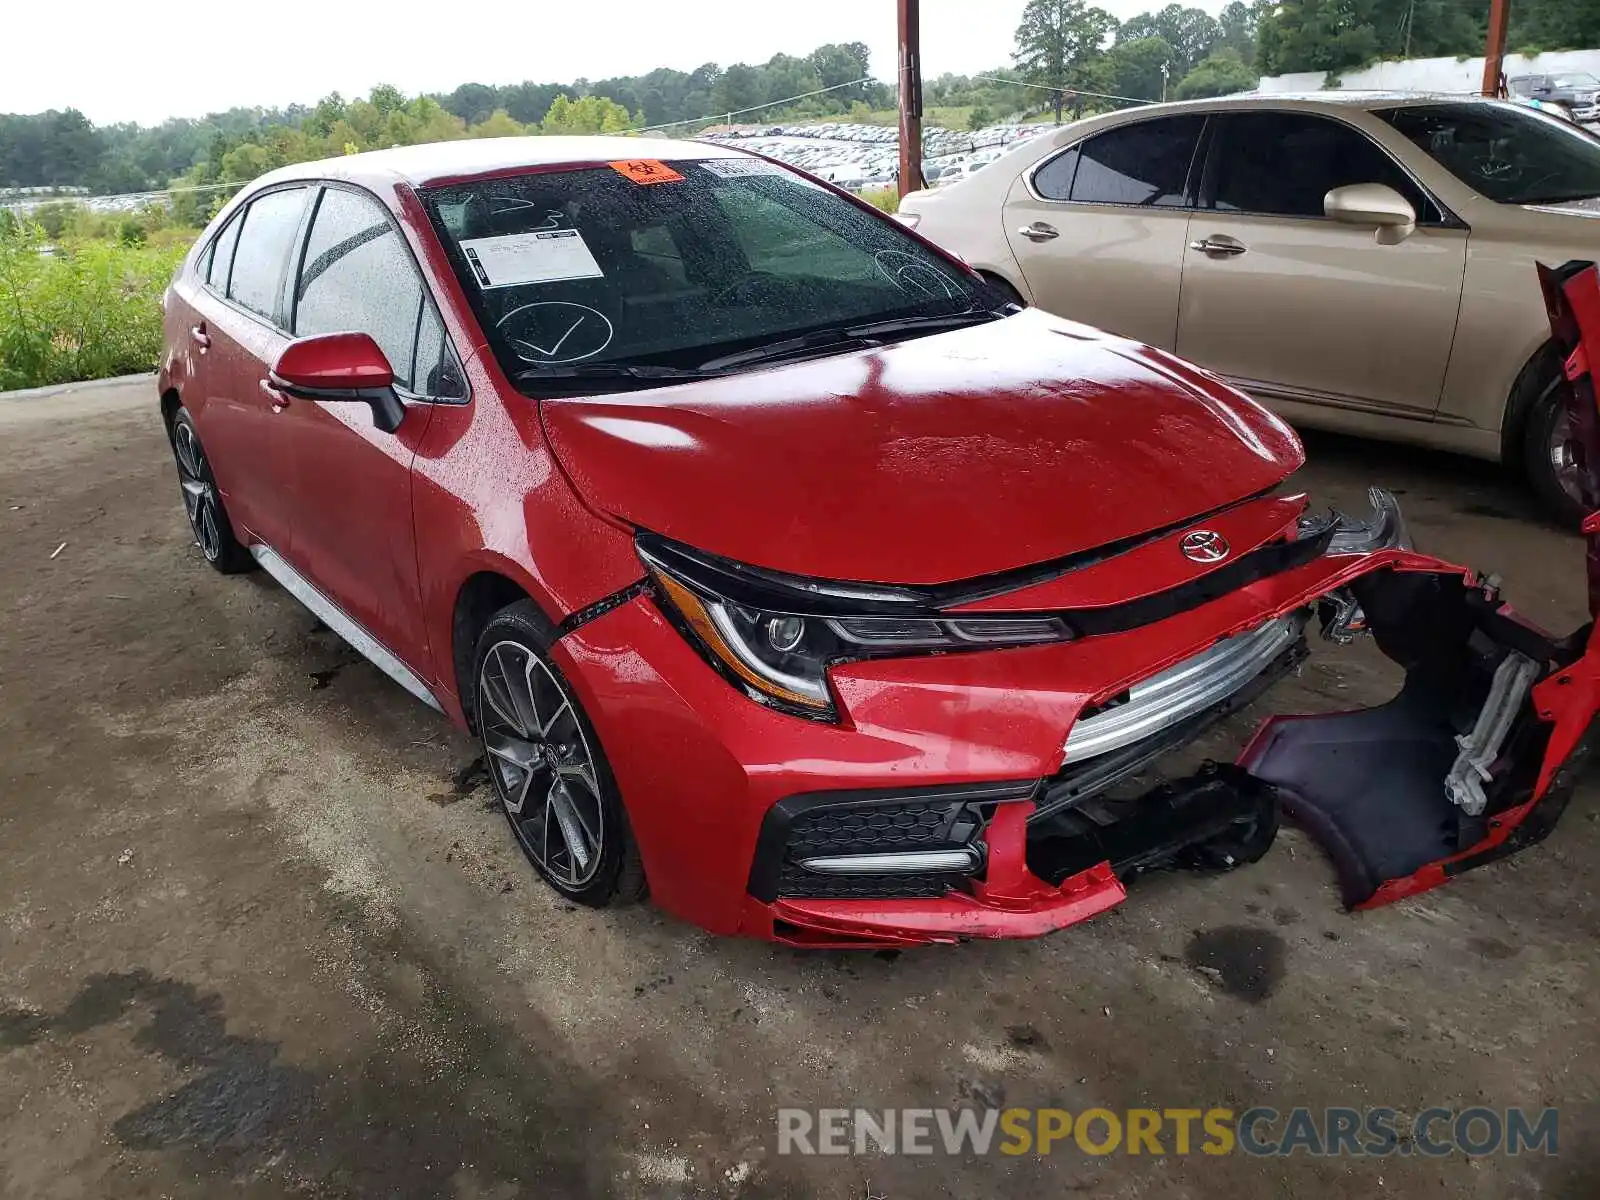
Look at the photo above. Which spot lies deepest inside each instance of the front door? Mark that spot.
(354, 538)
(1293, 305)
(1099, 228)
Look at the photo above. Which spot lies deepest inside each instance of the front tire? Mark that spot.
(1549, 455)
(202, 502)
(547, 766)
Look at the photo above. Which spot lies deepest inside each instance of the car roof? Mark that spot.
(436, 162)
(1310, 100)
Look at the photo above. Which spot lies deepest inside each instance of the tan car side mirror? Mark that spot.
(1372, 204)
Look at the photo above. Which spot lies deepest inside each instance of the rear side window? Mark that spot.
(1053, 181)
(270, 225)
(1283, 164)
(221, 256)
(357, 276)
(1146, 164)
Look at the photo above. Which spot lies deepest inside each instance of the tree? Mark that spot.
(1136, 67)
(472, 102)
(500, 124)
(591, 114)
(1191, 33)
(1056, 37)
(1219, 74)
(979, 118)
(738, 88)
(840, 63)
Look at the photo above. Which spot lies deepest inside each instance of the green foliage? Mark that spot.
(1136, 64)
(87, 310)
(1189, 32)
(1335, 35)
(888, 198)
(591, 114)
(1057, 37)
(979, 118)
(1219, 74)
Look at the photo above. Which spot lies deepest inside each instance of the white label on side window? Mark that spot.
(736, 168)
(542, 256)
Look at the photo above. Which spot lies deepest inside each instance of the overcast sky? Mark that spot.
(116, 62)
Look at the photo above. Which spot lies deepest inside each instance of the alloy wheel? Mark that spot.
(1563, 453)
(199, 494)
(541, 763)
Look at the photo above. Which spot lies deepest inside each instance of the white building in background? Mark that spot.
(1434, 74)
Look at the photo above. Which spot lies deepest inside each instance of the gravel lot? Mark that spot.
(259, 933)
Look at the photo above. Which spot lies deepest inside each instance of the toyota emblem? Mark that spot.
(1204, 546)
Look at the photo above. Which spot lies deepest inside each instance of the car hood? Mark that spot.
(929, 461)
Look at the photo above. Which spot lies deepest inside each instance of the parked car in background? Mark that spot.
(1360, 262)
(1577, 92)
(783, 567)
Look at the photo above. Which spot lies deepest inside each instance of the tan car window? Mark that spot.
(1283, 164)
(1145, 164)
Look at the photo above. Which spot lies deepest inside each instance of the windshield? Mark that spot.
(674, 265)
(1510, 154)
(1580, 80)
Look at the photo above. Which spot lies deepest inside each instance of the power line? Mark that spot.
(1045, 87)
(754, 108)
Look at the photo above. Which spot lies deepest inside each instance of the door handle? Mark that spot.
(199, 336)
(279, 399)
(1038, 232)
(1219, 244)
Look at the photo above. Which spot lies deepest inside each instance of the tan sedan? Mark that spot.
(1359, 262)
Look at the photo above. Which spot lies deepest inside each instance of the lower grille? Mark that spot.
(830, 828)
(798, 883)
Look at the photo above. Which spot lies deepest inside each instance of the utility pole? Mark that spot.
(910, 95)
(1495, 52)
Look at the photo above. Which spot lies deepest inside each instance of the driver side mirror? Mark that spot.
(1373, 205)
(341, 367)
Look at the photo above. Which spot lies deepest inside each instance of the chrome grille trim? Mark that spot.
(1182, 690)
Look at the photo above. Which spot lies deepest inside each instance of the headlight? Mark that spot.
(776, 637)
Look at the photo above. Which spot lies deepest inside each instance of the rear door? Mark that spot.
(354, 537)
(1293, 305)
(1099, 228)
(243, 330)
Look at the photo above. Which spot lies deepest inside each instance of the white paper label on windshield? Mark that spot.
(542, 256)
(736, 168)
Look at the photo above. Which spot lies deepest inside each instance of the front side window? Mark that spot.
(270, 225)
(357, 276)
(593, 268)
(219, 260)
(1283, 164)
(1508, 153)
(1145, 164)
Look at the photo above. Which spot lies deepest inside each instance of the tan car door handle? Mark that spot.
(1038, 232)
(1220, 245)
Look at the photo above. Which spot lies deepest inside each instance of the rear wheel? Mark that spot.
(202, 502)
(549, 772)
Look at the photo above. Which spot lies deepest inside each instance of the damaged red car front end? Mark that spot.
(1010, 792)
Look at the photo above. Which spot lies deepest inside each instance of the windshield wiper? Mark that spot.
(869, 333)
(640, 373)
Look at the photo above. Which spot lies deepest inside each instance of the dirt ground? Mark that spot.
(256, 939)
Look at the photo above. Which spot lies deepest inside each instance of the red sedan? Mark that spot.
(784, 569)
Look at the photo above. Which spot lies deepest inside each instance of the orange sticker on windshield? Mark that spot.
(646, 170)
